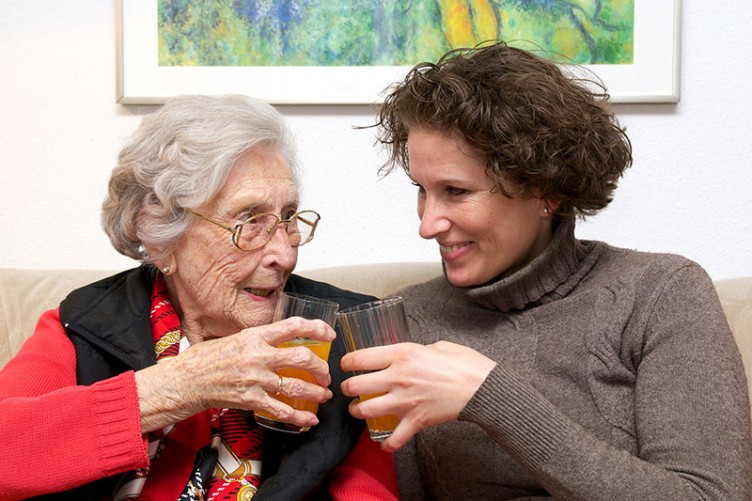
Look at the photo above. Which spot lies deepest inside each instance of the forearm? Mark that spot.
(162, 399)
(69, 437)
(55, 434)
(568, 461)
(705, 461)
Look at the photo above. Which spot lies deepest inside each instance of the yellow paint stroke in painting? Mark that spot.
(484, 21)
(468, 22)
(455, 18)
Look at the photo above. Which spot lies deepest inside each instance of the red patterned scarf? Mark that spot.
(229, 466)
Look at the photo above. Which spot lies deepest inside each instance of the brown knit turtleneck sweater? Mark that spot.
(617, 379)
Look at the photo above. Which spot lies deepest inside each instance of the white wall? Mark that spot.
(60, 131)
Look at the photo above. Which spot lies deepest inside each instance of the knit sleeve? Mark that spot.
(57, 435)
(691, 410)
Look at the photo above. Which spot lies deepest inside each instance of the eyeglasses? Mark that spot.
(256, 231)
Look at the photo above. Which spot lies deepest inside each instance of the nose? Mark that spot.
(433, 221)
(278, 250)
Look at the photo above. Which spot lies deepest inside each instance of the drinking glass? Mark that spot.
(376, 323)
(298, 305)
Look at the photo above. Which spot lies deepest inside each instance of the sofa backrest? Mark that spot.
(378, 280)
(26, 294)
(736, 299)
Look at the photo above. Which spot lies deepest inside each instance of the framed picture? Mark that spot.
(147, 76)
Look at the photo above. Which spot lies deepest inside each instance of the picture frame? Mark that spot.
(654, 76)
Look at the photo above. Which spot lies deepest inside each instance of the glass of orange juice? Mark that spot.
(375, 323)
(298, 305)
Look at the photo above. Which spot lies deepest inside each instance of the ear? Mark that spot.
(170, 265)
(548, 208)
(167, 263)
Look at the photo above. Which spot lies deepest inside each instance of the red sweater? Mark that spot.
(366, 474)
(57, 435)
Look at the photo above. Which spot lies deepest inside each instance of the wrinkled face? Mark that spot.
(481, 233)
(219, 288)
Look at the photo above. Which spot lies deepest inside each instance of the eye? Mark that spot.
(454, 191)
(244, 216)
(287, 214)
(420, 188)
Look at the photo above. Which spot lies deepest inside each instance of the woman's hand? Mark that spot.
(424, 385)
(239, 372)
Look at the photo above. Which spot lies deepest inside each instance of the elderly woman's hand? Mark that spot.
(423, 385)
(237, 372)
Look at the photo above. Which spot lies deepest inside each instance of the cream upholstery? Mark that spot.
(25, 294)
(736, 299)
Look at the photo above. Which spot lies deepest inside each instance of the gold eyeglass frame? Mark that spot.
(235, 230)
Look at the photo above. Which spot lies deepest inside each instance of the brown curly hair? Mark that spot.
(547, 132)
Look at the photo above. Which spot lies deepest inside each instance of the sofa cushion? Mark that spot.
(378, 280)
(736, 299)
(26, 294)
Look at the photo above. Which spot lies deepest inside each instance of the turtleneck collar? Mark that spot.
(550, 275)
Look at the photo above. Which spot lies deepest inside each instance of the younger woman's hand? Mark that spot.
(423, 385)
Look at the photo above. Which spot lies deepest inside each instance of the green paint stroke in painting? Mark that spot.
(384, 32)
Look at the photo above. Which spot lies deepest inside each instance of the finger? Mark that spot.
(375, 406)
(297, 388)
(400, 436)
(304, 362)
(288, 329)
(284, 412)
(280, 385)
(354, 408)
(365, 384)
(371, 359)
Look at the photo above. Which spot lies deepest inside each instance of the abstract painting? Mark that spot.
(386, 32)
(350, 51)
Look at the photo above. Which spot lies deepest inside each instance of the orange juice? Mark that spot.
(380, 427)
(321, 350)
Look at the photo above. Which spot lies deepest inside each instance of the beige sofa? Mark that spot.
(25, 294)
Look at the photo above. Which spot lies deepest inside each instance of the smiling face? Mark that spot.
(481, 233)
(219, 289)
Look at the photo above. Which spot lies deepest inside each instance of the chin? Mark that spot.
(463, 277)
(255, 317)
(460, 280)
(262, 318)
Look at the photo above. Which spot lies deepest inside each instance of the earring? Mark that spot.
(166, 270)
(547, 209)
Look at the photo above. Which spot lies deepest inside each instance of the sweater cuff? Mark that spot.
(117, 425)
(517, 417)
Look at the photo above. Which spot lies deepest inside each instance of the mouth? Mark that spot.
(449, 252)
(448, 249)
(261, 292)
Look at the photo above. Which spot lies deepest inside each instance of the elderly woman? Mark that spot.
(140, 386)
(547, 366)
